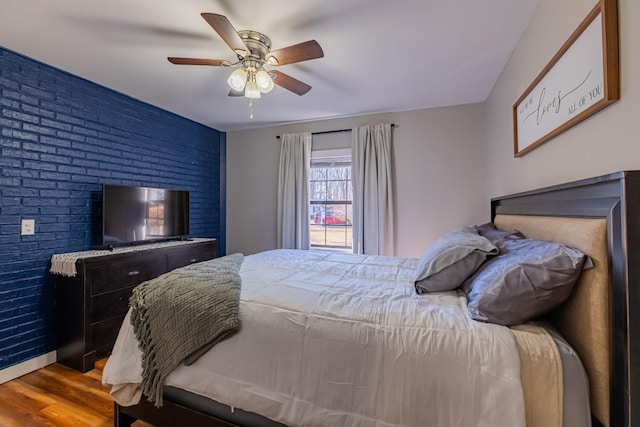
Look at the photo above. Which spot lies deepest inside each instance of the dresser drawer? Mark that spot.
(104, 334)
(112, 304)
(180, 259)
(125, 274)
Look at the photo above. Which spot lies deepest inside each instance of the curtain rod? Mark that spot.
(334, 131)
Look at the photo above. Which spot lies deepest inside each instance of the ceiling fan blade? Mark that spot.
(289, 83)
(225, 30)
(233, 92)
(199, 61)
(296, 53)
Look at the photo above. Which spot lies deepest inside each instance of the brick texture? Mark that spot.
(61, 138)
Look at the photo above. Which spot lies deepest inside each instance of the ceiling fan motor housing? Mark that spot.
(258, 44)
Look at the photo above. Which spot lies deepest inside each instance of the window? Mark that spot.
(330, 194)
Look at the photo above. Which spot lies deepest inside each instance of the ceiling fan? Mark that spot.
(253, 50)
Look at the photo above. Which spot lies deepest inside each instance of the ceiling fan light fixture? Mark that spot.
(238, 79)
(264, 81)
(251, 90)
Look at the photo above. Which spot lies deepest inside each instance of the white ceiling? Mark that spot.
(380, 55)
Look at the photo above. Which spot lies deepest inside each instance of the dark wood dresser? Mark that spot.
(91, 305)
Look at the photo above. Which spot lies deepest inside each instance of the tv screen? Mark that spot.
(139, 214)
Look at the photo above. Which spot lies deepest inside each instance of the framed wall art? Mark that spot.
(580, 80)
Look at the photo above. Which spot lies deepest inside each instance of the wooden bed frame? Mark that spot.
(613, 198)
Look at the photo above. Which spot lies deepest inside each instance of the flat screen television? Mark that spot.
(132, 215)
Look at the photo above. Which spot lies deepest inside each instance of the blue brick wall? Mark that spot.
(62, 137)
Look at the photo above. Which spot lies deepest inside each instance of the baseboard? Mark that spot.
(15, 371)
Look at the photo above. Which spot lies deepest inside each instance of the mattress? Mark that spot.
(344, 340)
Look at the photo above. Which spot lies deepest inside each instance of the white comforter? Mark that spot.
(344, 340)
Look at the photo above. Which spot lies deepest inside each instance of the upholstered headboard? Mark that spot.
(600, 216)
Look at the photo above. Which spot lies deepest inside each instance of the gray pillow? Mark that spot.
(528, 279)
(451, 259)
(494, 235)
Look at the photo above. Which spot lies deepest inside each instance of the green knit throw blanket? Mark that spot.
(181, 314)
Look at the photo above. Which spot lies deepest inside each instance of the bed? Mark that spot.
(590, 215)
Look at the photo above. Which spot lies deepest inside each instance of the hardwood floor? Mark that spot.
(58, 396)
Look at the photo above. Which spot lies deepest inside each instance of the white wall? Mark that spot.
(440, 176)
(606, 142)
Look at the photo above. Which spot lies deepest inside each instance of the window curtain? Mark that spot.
(373, 223)
(293, 191)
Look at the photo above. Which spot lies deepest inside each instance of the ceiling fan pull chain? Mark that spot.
(251, 109)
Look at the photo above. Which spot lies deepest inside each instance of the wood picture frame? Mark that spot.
(581, 79)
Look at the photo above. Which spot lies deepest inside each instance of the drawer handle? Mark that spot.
(133, 273)
(192, 260)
